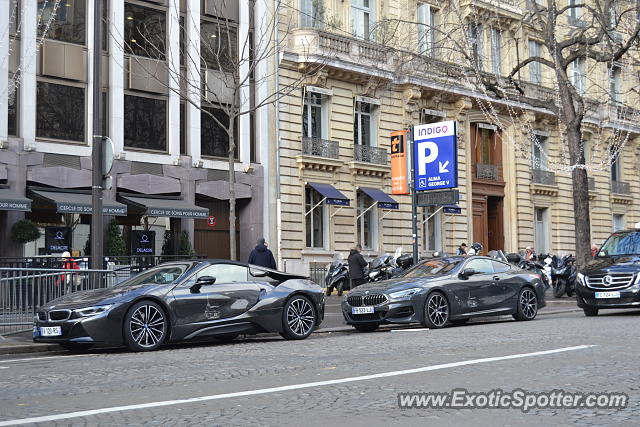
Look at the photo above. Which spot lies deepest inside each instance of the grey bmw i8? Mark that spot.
(183, 301)
(440, 291)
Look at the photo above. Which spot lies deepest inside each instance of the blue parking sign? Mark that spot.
(435, 156)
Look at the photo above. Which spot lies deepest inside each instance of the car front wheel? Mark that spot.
(145, 326)
(436, 311)
(299, 318)
(527, 305)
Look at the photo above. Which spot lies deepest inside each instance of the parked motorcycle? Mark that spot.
(381, 268)
(337, 277)
(563, 275)
(532, 265)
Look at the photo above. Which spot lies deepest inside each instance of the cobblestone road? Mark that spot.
(45, 386)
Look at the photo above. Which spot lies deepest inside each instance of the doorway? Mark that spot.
(488, 219)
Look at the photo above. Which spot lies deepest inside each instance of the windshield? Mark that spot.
(161, 275)
(431, 268)
(382, 259)
(624, 243)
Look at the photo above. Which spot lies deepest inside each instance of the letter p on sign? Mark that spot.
(427, 153)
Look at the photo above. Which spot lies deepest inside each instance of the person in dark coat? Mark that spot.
(357, 264)
(262, 256)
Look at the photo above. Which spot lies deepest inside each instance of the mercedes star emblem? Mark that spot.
(606, 280)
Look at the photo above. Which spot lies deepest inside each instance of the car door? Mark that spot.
(472, 293)
(230, 295)
(504, 285)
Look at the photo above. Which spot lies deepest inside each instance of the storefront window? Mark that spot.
(145, 123)
(367, 221)
(145, 31)
(214, 139)
(62, 20)
(315, 220)
(60, 112)
(431, 229)
(218, 46)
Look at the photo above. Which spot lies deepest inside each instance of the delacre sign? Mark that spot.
(438, 198)
(143, 242)
(57, 239)
(435, 156)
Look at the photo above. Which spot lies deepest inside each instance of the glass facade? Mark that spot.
(13, 112)
(145, 31)
(218, 46)
(63, 21)
(60, 112)
(145, 123)
(214, 139)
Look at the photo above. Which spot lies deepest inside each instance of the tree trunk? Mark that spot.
(232, 191)
(580, 194)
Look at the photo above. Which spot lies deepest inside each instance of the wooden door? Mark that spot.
(480, 220)
(495, 230)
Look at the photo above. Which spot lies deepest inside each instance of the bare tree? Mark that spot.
(231, 72)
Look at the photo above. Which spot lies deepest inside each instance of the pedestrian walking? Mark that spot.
(261, 255)
(462, 249)
(357, 264)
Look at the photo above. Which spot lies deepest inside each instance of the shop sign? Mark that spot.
(57, 239)
(143, 242)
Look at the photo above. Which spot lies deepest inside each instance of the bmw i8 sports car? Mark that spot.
(182, 301)
(446, 290)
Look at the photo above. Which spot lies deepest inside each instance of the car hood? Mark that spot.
(392, 285)
(613, 263)
(117, 294)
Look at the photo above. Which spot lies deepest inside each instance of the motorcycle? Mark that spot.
(337, 277)
(563, 274)
(532, 265)
(381, 268)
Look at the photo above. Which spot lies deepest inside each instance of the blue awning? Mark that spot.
(333, 196)
(384, 201)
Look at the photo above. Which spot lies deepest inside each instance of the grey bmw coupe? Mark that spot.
(440, 291)
(183, 301)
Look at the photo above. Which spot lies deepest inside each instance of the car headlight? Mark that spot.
(92, 311)
(373, 274)
(405, 293)
(582, 281)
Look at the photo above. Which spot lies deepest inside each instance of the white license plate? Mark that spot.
(50, 331)
(361, 310)
(607, 294)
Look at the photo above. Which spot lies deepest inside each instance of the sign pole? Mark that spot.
(414, 204)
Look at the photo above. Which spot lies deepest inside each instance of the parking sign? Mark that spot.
(435, 156)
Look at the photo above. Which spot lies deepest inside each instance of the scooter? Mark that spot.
(563, 274)
(337, 277)
(381, 268)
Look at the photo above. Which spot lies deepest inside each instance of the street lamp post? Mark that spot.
(97, 220)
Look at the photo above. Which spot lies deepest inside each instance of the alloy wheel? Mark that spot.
(147, 326)
(528, 303)
(300, 317)
(437, 310)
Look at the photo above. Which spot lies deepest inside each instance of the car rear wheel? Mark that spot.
(145, 326)
(436, 311)
(366, 327)
(590, 311)
(527, 305)
(298, 318)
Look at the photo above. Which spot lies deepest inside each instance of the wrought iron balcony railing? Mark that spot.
(367, 154)
(592, 183)
(544, 177)
(320, 147)
(488, 172)
(620, 187)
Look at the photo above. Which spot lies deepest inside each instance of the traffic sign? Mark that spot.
(435, 156)
(211, 221)
(453, 209)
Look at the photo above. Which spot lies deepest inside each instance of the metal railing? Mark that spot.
(543, 177)
(368, 154)
(620, 187)
(23, 290)
(318, 272)
(138, 263)
(320, 147)
(488, 172)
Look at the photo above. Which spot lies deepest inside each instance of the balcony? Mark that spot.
(509, 8)
(318, 155)
(487, 172)
(544, 177)
(369, 161)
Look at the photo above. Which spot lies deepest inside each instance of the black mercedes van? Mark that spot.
(612, 279)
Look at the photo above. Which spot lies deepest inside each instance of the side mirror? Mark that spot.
(200, 282)
(468, 272)
(258, 273)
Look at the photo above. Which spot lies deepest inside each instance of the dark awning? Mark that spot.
(78, 203)
(11, 201)
(452, 209)
(333, 196)
(172, 208)
(384, 201)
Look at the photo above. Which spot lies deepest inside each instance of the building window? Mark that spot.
(219, 46)
(618, 222)
(431, 240)
(363, 129)
(62, 20)
(615, 83)
(575, 12)
(535, 71)
(540, 159)
(578, 75)
(13, 109)
(496, 51)
(145, 31)
(367, 221)
(311, 13)
(145, 123)
(60, 112)
(426, 29)
(616, 170)
(316, 220)
(14, 17)
(542, 230)
(214, 139)
(314, 120)
(476, 44)
(363, 18)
